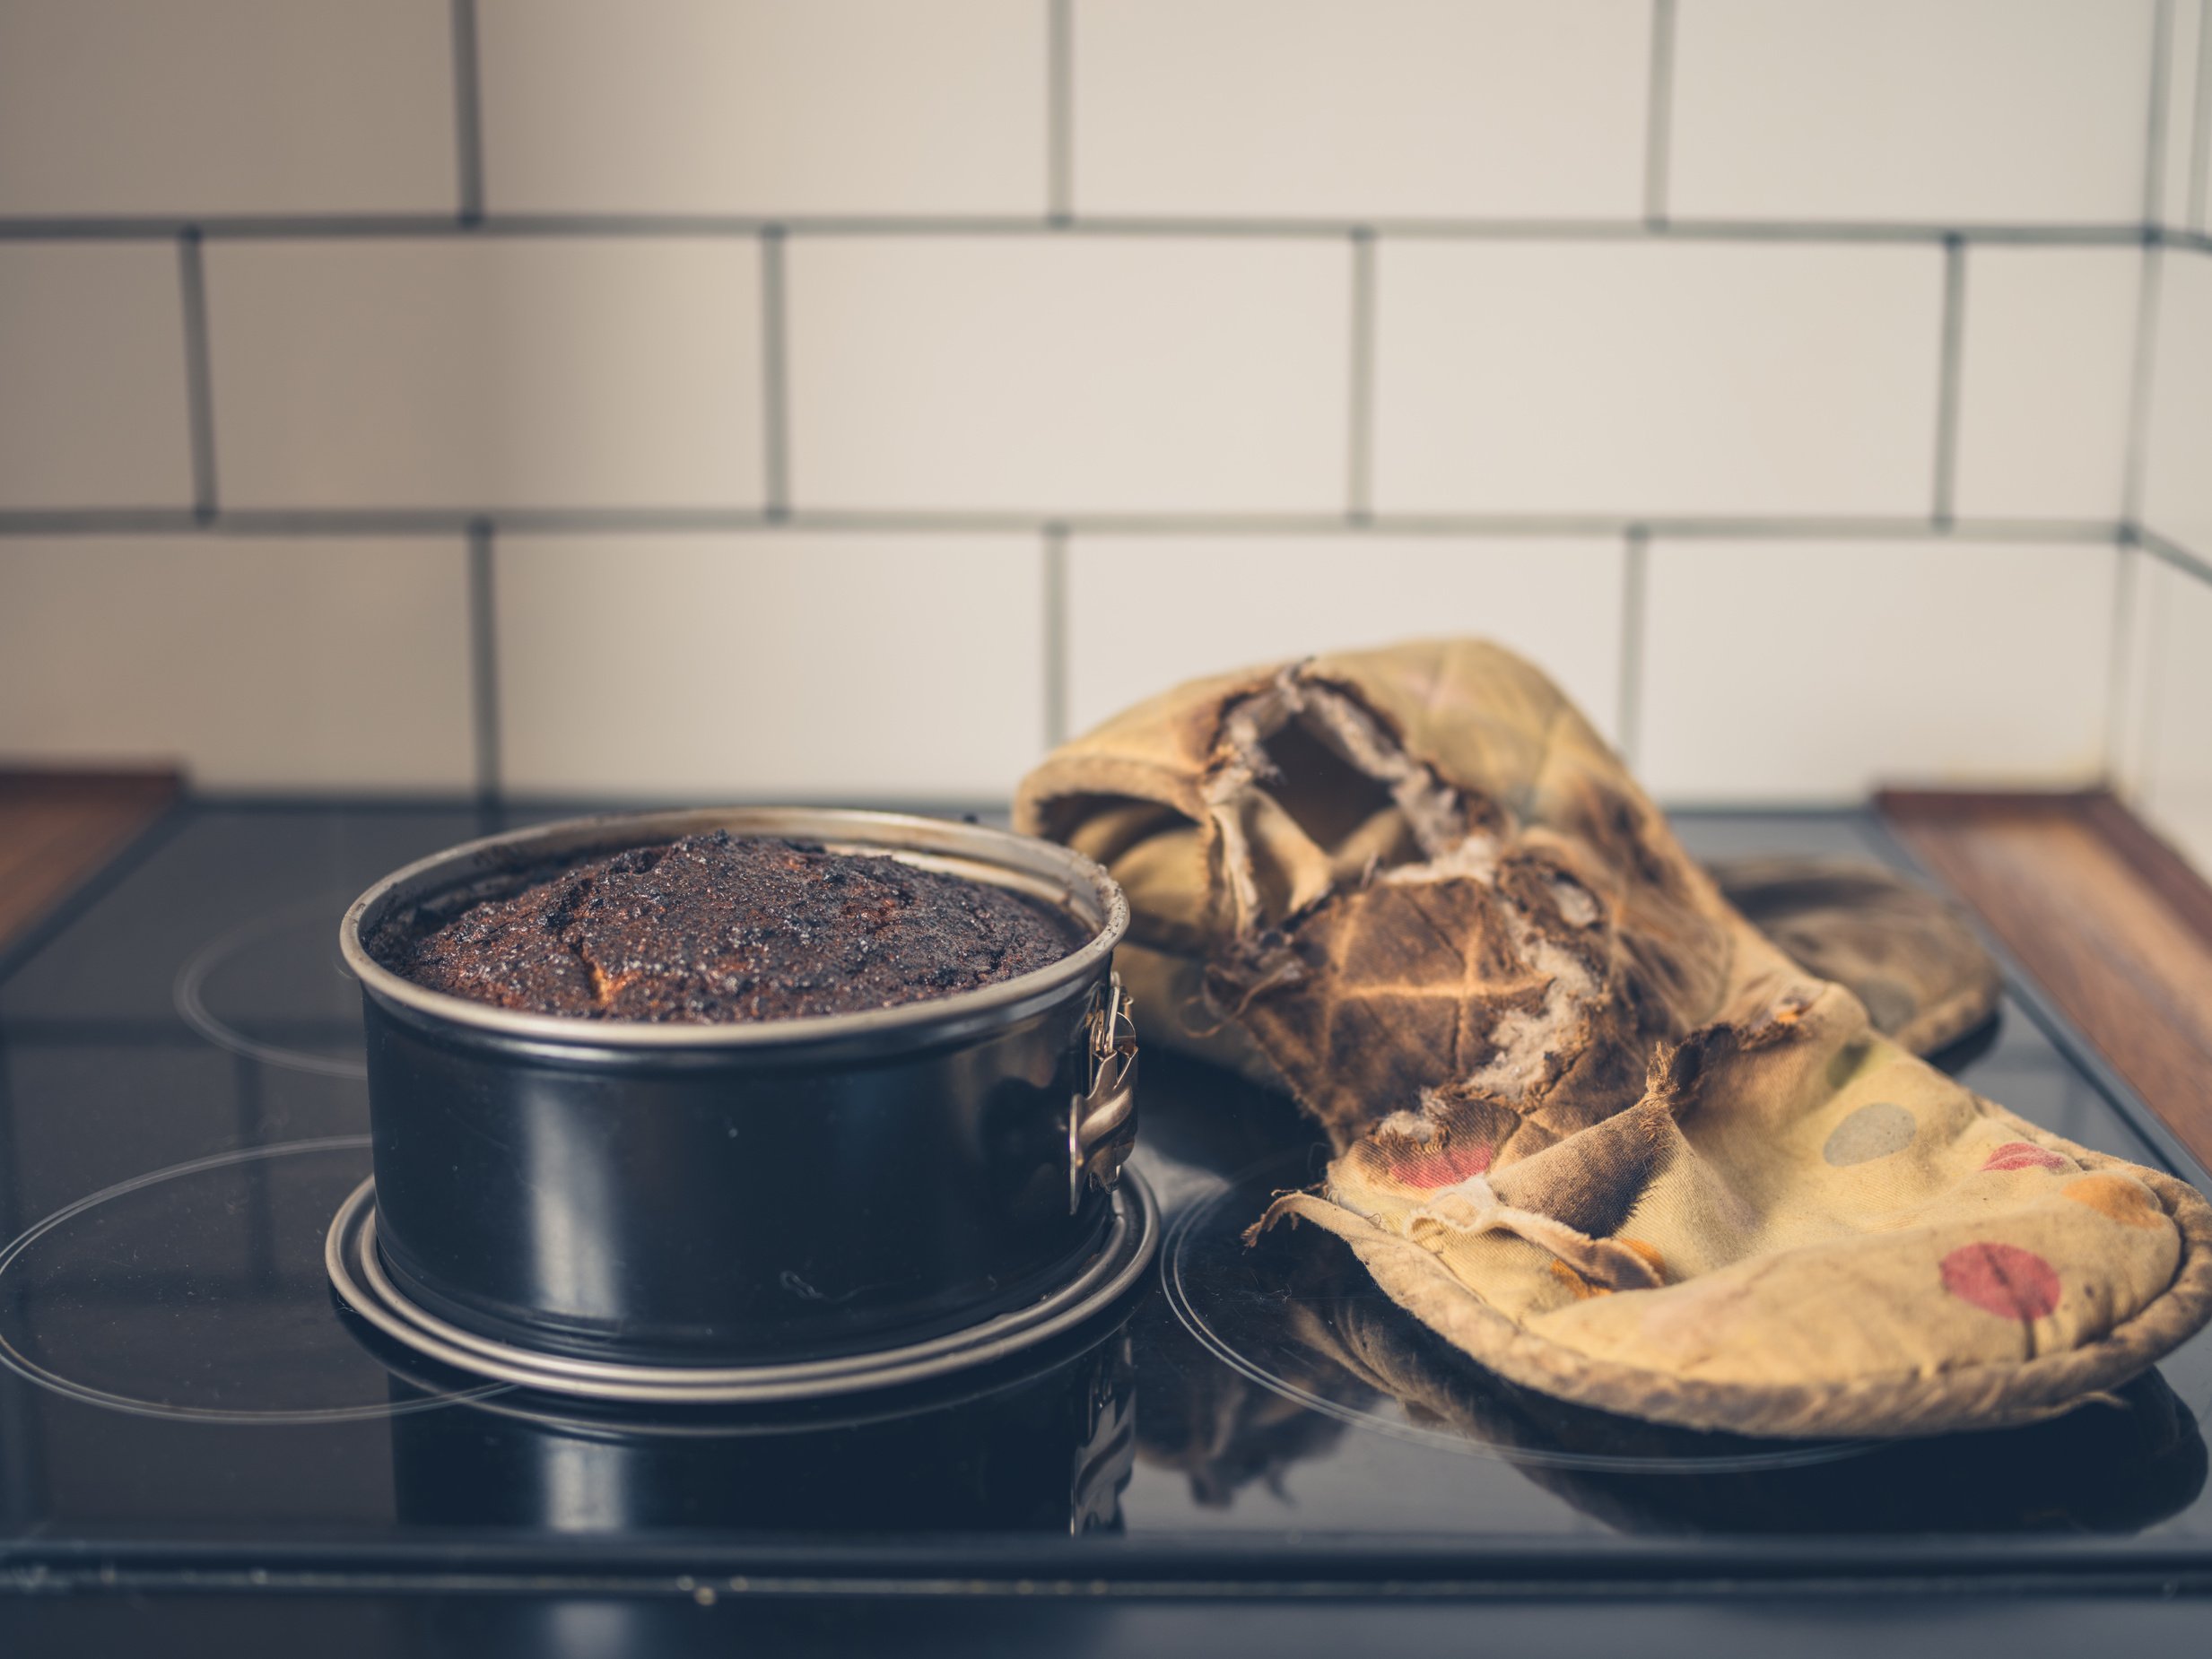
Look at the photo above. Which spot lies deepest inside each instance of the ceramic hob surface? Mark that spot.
(182, 1109)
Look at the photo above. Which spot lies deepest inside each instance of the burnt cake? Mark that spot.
(720, 928)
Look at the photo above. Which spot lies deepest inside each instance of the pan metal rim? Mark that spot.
(350, 1257)
(1057, 875)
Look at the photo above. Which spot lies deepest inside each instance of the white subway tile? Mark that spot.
(764, 106)
(1363, 109)
(512, 372)
(1969, 110)
(1647, 377)
(2195, 212)
(809, 667)
(2177, 481)
(2175, 791)
(1146, 613)
(261, 663)
(2046, 369)
(1069, 374)
(2137, 626)
(226, 107)
(1813, 671)
(93, 405)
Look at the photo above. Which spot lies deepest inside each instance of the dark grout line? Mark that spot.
(2140, 377)
(1054, 553)
(310, 226)
(468, 115)
(1359, 460)
(1635, 561)
(775, 381)
(1948, 381)
(103, 521)
(454, 522)
(1659, 115)
(2173, 554)
(199, 383)
(2154, 133)
(1931, 235)
(1059, 111)
(483, 659)
(224, 228)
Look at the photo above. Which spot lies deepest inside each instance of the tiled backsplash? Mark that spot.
(841, 398)
(272, 662)
(1809, 664)
(2165, 761)
(481, 372)
(1052, 374)
(1657, 377)
(779, 663)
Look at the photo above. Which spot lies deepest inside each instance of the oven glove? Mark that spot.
(2100, 1471)
(1594, 1128)
(1907, 954)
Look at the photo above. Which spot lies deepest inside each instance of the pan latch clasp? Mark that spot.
(1101, 1125)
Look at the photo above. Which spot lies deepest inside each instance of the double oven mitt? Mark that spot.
(1591, 1126)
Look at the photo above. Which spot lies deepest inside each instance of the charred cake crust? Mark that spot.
(719, 928)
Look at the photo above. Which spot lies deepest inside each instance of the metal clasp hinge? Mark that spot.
(1101, 1125)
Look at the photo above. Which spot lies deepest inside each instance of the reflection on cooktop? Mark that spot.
(1043, 1446)
(1295, 1314)
(181, 1112)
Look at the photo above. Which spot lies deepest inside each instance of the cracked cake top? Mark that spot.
(720, 928)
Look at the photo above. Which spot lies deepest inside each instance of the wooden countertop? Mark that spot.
(57, 830)
(2112, 923)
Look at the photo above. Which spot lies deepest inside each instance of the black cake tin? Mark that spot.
(744, 1194)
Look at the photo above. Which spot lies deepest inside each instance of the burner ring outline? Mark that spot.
(189, 994)
(23, 1365)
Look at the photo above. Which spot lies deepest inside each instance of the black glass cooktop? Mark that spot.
(182, 1108)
